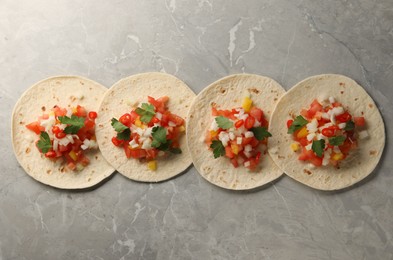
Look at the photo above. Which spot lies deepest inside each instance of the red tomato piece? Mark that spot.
(176, 119)
(151, 153)
(50, 154)
(329, 131)
(81, 111)
(228, 152)
(159, 105)
(35, 127)
(116, 141)
(234, 162)
(125, 119)
(89, 124)
(249, 123)
(59, 111)
(344, 117)
(359, 120)
(133, 116)
(256, 113)
(289, 123)
(314, 108)
(60, 135)
(239, 123)
(92, 115)
(56, 129)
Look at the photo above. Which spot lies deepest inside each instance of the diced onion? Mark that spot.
(239, 140)
(363, 134)
(332, 100)
(249, 134)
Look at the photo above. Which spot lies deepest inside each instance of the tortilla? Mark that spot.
(228, 93)
(65, 91)
(359, 163)
(119, 99)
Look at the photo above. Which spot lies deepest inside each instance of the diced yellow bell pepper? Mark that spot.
(295, 147)
(138, 122)
(74, 110)
(247, 104)
(213, 133)
(73, 155)
(337, 156)
(182, 129)
(51, 113)
(302, 133)
(152, 165)
(235, 148)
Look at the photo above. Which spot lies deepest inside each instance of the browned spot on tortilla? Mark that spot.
(73, 98)
(191, 116)
(27, 150)
(373, 152)
(58, 82)
(256, 91)
(91, 88)
(362, 113)
(58, 100)
(21, 123)
(341, 84)
(223, 90)
(224, 172)
(213, 104)
(49, 171)
(81, 83)
(307, 87)
(370, 105)
(275, 99)
(61, 169)
(43, 108)
(307, 171)
(20, 114)
(342, 92)
(96, 157)
(186, 106)
(281, 157)
(356, 99)
(101, 125)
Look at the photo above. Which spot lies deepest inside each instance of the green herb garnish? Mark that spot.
(146, 112)
(44, 144)
(298, 123)
(349, 125)
(337, 140)
(74, 123)
(224, 122)
(218, 148)
(123, 132)
(318, 146)
(260, 133)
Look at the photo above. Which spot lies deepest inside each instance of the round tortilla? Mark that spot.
(64, 91)
(228, 93)
(119, 99)
(359, 163)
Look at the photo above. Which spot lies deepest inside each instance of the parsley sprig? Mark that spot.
(44, 144)
(337, 140)
(260, 133)
(146, 112)
(161, 142)
(123, 132)
(218, 148)
(298, 123)
(74, 123)
(318, 146)
(223, 122)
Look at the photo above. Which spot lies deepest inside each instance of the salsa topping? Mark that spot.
(66, 134)
(149, 131)
(325, 132)
(240, 134)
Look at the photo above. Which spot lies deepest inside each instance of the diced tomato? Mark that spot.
(309, 155)
(92, 115)
(336, 104)
(116, 141)
(89, 124)
(157, 103)
(228, 152)
(125, 119)
(164, 120)
(64, 148)
(76, 146)
(35, 127)
(314, 108)
(359, 120)
(234, 162)
(258, 157)
(303, 141)
(246, 140)
(344, 117)
(239, 123)
(81, 111)
(50, 154)
(289, 123)
(60, 135)
(127, 150)
(249, 123)
(59, 111)
(133, 116)
(227, 113)
(256, 113)
(176, 119)
(329, 131)
(137, 153)
(254, 142)
(71, 166)
(151, 153)
(253, 164)
(82, 159)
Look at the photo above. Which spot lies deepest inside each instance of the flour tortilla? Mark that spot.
(228, 93)
(359, 164)
(119, 99)
(64, 91)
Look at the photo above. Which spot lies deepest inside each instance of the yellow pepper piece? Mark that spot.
(213, 133)
(74, 110)
(337, 156)
(182, 129)
(138, 122)
(51, 113)
(247, 104)
(235, 148)
(73, 155)
(152, 165)
(302, 133)
(295, 147)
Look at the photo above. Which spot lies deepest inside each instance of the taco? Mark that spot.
(227, 132)
(142, 130)
(53, 132)
(328, 132)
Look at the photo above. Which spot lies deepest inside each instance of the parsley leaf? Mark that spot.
(159, 139)
(146, 112)
(44, 143)
(123, 132)
(74, 123)
(218, 148)
(349, 125)
(224, 122)
(298, 123)
(260, 133)
(175, 150)
(118, 126)
(318, 146)
(337, 140)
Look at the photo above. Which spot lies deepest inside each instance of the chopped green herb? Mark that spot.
(118, 126)
(146, 112)
(218, 148)
(260, 133)
(44, 143)
(224, 122)
(318, 146)
(349, 125)
(175, 150)
(298, 123)
(74, 123)
(337, 140)
(125, 135)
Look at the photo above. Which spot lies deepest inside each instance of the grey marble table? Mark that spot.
(198, 41)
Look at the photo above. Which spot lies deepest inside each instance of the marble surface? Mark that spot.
(198, 41)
